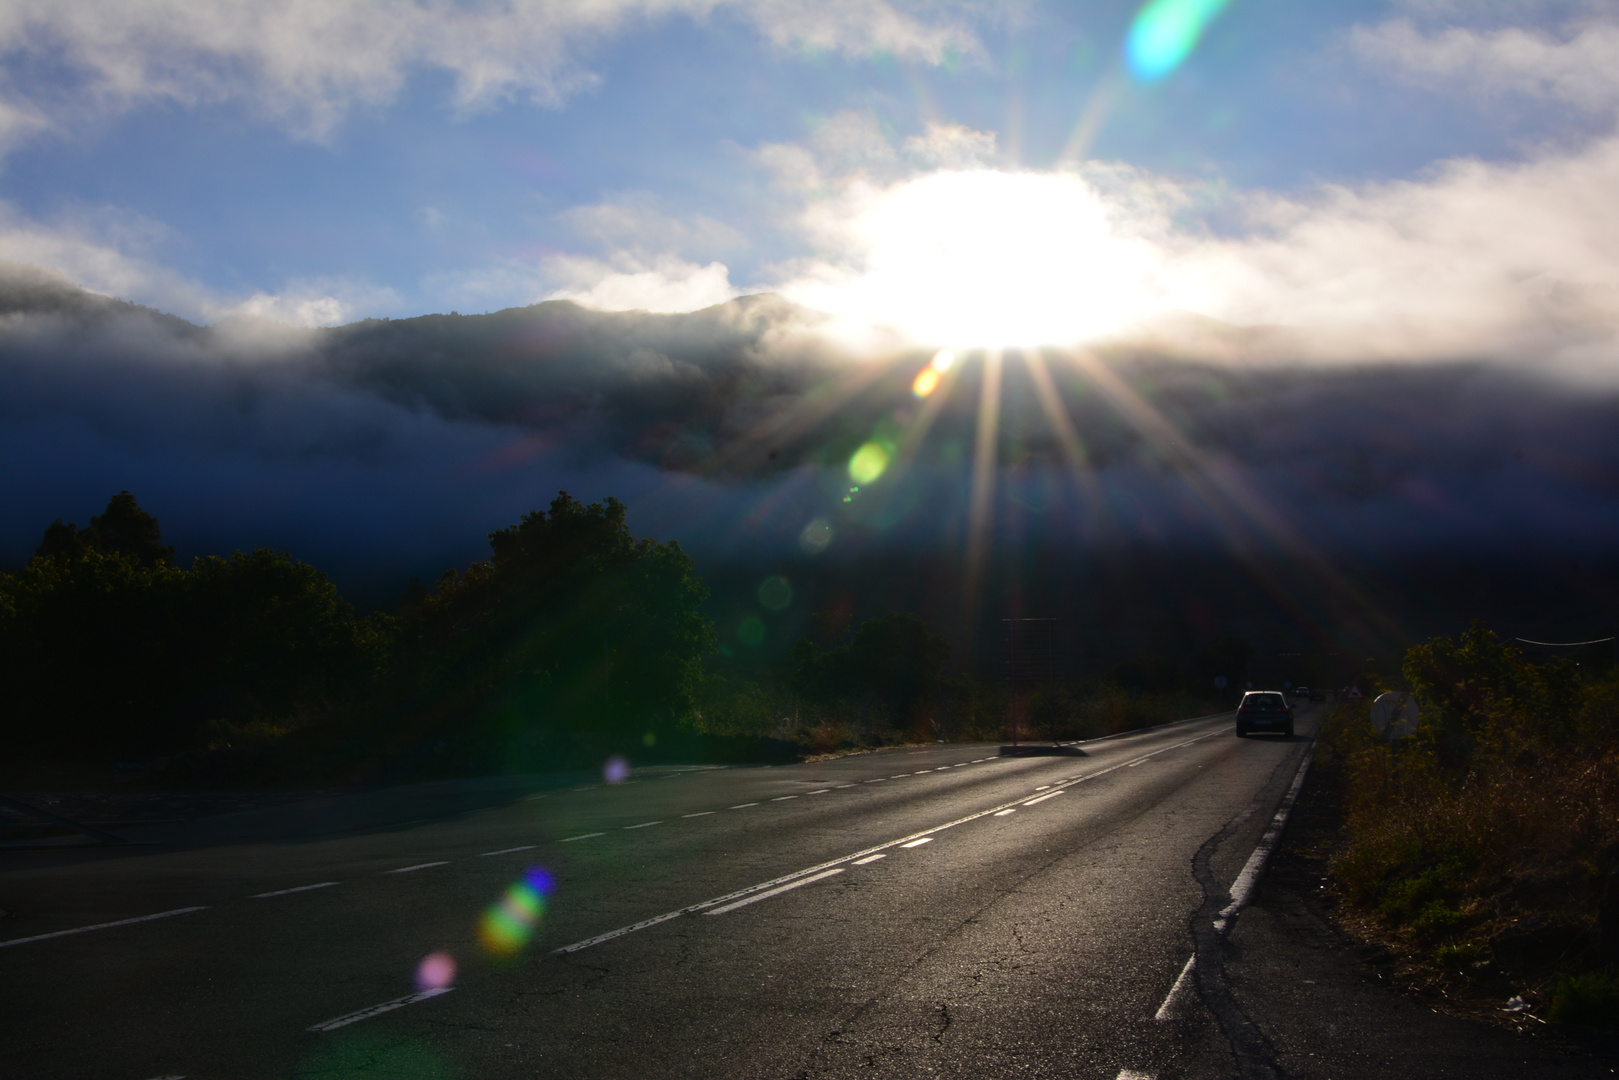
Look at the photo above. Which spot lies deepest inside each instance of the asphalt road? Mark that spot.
(942, 911)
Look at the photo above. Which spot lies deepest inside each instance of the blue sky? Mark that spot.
(317, 163)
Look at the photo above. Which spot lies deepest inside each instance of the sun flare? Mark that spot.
(985, 258)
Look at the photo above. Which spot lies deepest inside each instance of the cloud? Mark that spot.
(306, 65)
(668, 284)
(1575, 68)
(1515, 262)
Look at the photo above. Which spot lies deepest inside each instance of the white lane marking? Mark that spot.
(1248, 877)
(1182, 981)
(1042, 787)
(783, 798)
(901, 776)
(870, 859)
(743, 806)
(585, 836)
(959, 764)
(378, 1010)
(289, 892)
(879, 780)
(506, 850)
(1243, 887)
(745, 901)
(1003, 813)
(748, 890)
(644, 824)
(840, 787)
(620, 932)
(1131, 1074)
(700, 813)
(102, 926)
(418, 866)
(1043, 798)
(531, 798)
(919, 843)
(1133, 764)
(823, 791)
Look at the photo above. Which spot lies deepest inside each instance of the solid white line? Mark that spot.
(1243, 887)
(743, 806)
(418, 866)
(1248, 877)
(870, 859)
(700, 813)
(776, 891)
(644, 824)
(919, 843)
(1003, 813)
(739, 893)
(506, 850)
(289, 892)
(378, 1010)
(1043, 798)
(586, 836)
(783, 798)
(102, 926)
(1181, 983)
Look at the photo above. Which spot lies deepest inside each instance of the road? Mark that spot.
(945, 911)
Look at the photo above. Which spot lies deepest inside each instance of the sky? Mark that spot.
(1405, 203)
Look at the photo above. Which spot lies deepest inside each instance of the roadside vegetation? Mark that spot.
(571, 643)
(1484, 849)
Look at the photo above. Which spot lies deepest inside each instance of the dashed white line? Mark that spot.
(1003, 813)
(531, 798)
(378, 1010)
(506, 850)
(584, 836)
(745, 901)
(870, 859)
(1043, 798)
(1042, 787)
(901, 776)
(878, 780)
(823, 791)
(102, 926)
(743, 806)
(289, 892)
(418, 866)
(644, 824)
(620, 932)
(1131, 1074)
(840, 787)
(919, 843)
(783, 798)
(1181, 982)
(700, 813)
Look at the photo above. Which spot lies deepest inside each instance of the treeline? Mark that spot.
(571, 642)
(1486, 845)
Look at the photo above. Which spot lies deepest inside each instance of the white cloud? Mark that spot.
(668, 284)
(1516, 262)
(117, 253)
(305, 65)
(1578, 68)
(636, 222)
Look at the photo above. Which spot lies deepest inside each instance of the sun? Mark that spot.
(988, 258)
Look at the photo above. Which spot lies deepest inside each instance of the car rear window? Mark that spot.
(1263, 701)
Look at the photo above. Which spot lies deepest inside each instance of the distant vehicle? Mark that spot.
(1318, 695)
(1264, 710)
(1301, 691)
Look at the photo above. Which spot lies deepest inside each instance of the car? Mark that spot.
(1302, 691)
(1264, 710)
(1318, 695)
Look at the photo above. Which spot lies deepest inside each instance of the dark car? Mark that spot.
(1264, 710)
(1302, 691)
(1318, 695)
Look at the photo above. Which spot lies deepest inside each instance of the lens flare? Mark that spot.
(507, 926)
(751, 631)
(1165, 33)
(776, 593)
(435, 972)
(927, 381)
(869, 462)
(616, 771)
(942, 361)
(816, 537)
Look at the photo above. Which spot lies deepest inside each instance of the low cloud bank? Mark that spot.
(385, 449)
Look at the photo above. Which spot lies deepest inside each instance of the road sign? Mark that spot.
(1395, 715)
(1219, 682)
(1353, 694)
